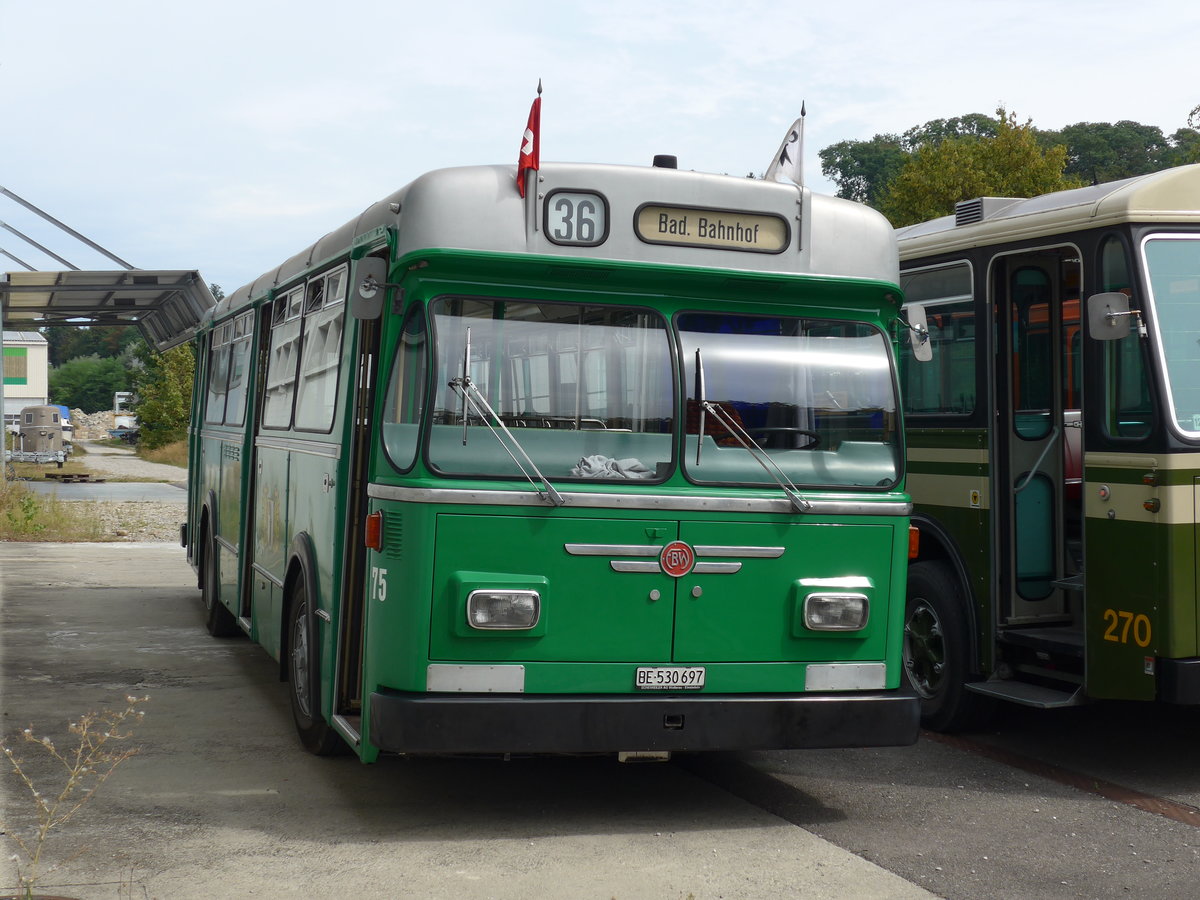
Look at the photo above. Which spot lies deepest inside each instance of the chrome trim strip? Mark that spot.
(613, 549)
(342, 724)
(323, 615)
(226, 544)
(259, 570)
(662, 502)
(225, 437)
(630, 565)
(300, 445)
(743, 552)
(716, 568)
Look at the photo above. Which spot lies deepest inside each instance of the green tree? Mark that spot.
(1010, 164)
(88, 382)
(163, 385)
(935, 131)
(1104, 151)
(66, 342)
(861, 169)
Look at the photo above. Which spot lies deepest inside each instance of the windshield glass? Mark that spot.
(1173, 264)
(585, 389)
(816, 395)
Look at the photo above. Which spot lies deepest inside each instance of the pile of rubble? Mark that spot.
(92, 426)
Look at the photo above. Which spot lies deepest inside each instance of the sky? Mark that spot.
(227, 135)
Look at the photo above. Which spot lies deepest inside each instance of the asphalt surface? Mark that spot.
(221, 801)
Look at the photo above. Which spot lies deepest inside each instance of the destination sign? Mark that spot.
(721, 229)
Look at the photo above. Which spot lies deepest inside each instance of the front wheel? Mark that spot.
(304, 677)
(937, 650)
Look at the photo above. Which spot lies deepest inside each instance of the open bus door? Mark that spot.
(1039, 550)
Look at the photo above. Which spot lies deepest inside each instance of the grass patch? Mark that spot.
(26, 516)
(173, 454)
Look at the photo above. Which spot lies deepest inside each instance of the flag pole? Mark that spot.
(800, 162)
(533, 173)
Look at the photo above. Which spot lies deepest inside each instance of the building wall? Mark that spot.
(26, 371)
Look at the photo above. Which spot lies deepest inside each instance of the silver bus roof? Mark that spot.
(1170, 195)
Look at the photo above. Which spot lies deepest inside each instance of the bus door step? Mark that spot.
(1028, 694)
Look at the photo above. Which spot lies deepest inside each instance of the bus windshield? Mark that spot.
(586, 390)
(1173, 265)
(816, 395)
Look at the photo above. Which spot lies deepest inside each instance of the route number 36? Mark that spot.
(1121, 626)
(576, 218)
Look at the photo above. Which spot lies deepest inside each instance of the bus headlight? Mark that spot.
(503, 610)
(836, 612)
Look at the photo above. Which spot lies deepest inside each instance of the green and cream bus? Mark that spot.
(615, 467)
(1053, 448)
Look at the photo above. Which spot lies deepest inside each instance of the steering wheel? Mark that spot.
(787, 430)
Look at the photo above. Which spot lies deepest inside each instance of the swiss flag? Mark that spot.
(531, 143)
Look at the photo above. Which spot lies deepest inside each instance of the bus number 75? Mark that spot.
(378, 586)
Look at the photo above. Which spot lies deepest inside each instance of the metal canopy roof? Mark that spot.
(167, 305)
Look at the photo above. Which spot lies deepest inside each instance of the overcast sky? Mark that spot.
(225, 136)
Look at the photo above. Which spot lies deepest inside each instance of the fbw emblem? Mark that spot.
(677, 559)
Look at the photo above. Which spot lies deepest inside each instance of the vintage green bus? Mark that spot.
(1053, 448)
(616, 467)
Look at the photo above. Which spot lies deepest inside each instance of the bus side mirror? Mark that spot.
(370, 288)
(918, 333)
(1109, 316)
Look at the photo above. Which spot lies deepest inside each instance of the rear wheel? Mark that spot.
(304, 676)
(218, 619)
(937, 661)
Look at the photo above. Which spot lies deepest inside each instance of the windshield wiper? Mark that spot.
(473, 398)
(797, 500)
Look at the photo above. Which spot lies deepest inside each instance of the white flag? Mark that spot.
(786, 166)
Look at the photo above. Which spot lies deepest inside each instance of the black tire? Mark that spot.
(937, 650)
(219, 621)
(304, 679)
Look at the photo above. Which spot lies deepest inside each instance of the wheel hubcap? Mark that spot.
(300, 660)
(924, 650)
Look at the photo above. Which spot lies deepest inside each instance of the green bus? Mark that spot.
(1053, 446)
(614, 467)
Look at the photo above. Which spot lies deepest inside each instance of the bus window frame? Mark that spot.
(433, 360)
(314, 306)
(980, 344)
(287, 306)
(416, 312)
(1153, 319)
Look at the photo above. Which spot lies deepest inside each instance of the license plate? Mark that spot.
(669, 678)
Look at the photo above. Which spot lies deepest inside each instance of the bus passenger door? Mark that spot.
(1038, 434)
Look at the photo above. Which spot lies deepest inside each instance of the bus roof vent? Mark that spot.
(665, 161)
(968, 212)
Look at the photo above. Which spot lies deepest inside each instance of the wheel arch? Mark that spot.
(205, 532)
(302, 565)
(938, 545)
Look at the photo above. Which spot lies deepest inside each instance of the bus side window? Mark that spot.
(218, 374)
(945, 385)
(321, 356)
(284, 356)
(1126, 382)
(239, 362)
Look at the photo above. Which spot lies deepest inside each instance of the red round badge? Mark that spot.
(677, 559)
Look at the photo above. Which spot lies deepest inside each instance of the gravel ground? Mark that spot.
(137, 521)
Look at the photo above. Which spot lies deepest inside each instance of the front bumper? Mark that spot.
(565, 723)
